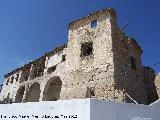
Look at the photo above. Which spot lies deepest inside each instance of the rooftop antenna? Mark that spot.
(125, 26)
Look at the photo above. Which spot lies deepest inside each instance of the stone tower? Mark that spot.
(109, 61)
(90, 53)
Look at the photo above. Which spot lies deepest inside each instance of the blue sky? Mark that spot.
(29, 28)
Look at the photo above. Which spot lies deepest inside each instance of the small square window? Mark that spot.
(93, 23)
(86, 49)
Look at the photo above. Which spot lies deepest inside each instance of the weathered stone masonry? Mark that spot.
(99, 61)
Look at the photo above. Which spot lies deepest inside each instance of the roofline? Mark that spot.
(109, 10)
(134, 42)
(54, 51)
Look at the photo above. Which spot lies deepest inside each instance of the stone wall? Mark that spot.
(150, 86)
(127, 80)
(157, 84)
(99, 61)
(11, 90)
(98, 67)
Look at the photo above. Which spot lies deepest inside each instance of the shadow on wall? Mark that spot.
(1, 87)
(131, 78)
(19, 95)
(149, 81)
(7, 100)
(52, 89)
(51, 92)
(33, 94)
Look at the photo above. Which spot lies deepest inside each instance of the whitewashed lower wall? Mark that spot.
(108, 110)
(86, 109)
(61, 109)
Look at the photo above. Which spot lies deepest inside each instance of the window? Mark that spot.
(63, 58)
(86, 49)
(26, 77)
(37, 71)
(12, 78)
(133, 63)
(90, 93)
(93, 23)
(25, 73)
(7, 81)
(17, 77)
(51, 69)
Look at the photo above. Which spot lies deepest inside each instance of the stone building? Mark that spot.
(157, 84)
(98, 61)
